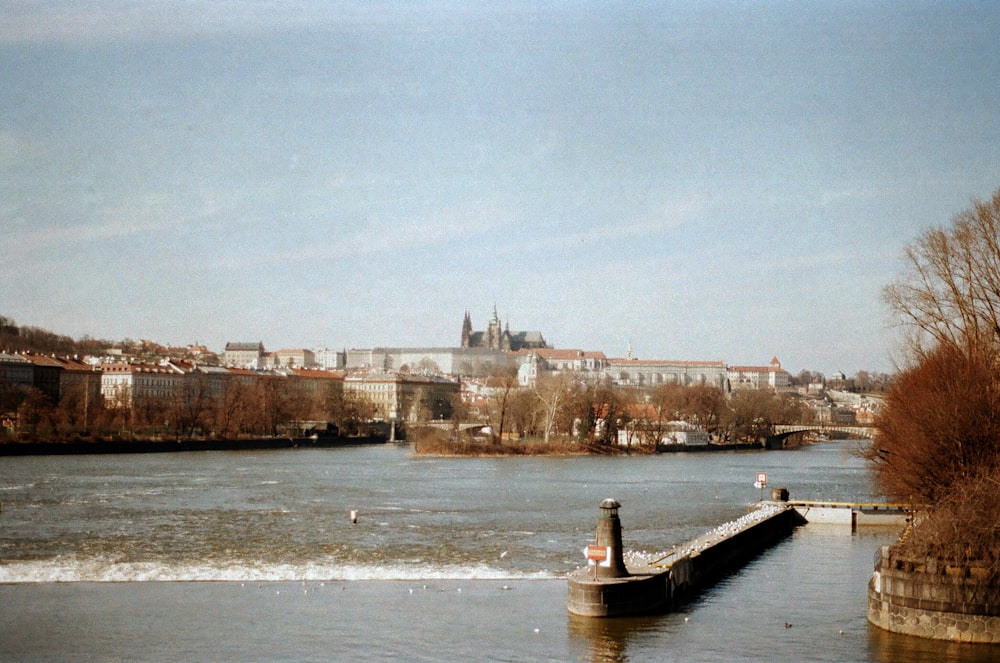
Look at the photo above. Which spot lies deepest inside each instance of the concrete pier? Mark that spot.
(854, 514)
(676, 578)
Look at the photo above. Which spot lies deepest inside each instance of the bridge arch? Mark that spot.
(784, 431)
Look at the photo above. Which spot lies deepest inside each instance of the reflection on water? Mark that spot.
(886, 646)
(607, 640)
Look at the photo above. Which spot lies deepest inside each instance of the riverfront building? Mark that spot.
(429, 361)
(291, 358)
(405, 398)
(772, 376)
(16, 372)
(125, 384)
(581, 364)
(652, 372)
(244, 355)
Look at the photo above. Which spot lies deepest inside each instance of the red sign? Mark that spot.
(598, 553)
(762, 478)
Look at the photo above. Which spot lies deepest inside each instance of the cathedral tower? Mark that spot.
(466, 330)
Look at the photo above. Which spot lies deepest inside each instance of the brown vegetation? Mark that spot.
(266, 406)
(939, 432)
(429, 441)
(939, 429)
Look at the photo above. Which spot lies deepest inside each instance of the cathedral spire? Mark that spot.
(466, 329)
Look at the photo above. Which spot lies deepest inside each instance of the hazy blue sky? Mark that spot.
(708, 180)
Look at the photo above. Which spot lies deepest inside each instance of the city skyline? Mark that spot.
(701, 181)
(277, 348)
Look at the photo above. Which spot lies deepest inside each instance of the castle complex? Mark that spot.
(500, 338)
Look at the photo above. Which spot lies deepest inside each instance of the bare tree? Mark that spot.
(704, 406)
(950, 291)
(503, 385)
(552, 393)
(192, 405)
(348, 410)
(939, 434)
(231, 411)
(525, 413)
(753, 413)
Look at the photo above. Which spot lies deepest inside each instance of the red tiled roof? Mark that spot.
(123, 367)
(40, 360)
(558, 353)
(317, 373)
(665, 362)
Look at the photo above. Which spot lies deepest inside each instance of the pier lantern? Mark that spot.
(609, 537)
(609, 508)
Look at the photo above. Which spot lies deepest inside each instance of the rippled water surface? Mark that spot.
(455, 559)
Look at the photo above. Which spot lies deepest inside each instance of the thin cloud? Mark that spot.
(153, 212)
(669, 217)
(385, 235)
(85, 21)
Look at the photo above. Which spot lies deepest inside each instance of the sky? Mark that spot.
(725, 181)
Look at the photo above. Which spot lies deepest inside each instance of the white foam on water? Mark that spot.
(73, 569)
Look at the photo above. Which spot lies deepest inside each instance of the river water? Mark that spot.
(236, 556)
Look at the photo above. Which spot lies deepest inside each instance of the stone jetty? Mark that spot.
(611, 587)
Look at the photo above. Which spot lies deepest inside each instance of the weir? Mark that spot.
(605, 589)
(608, 587)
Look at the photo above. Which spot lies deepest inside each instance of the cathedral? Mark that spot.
(499, 338)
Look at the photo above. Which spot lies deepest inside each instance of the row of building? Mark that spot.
(532, 364)
(124, 385)
(393, 396)
(630, 372)
(482, 353)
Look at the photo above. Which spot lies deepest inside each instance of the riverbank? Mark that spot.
(165, 446)
(432, 446)
(433, 442)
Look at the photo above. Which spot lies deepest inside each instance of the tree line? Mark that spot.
(267, 405)
(594, 413)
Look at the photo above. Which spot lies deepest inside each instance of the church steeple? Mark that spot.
(494, 332)
(466, 329)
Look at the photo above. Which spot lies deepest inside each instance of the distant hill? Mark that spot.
(18, 338)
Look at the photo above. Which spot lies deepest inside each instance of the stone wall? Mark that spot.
(933, 599)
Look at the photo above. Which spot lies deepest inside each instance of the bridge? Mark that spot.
(784, 431)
